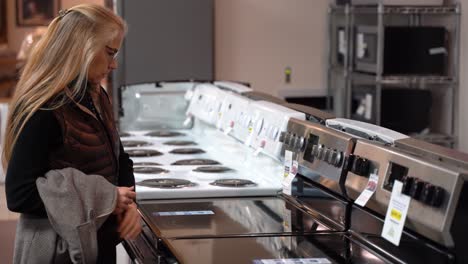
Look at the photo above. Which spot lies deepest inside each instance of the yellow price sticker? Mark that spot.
(395, 214)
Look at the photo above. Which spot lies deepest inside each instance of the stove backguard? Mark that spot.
(323, 154)
(153, 106)
(312, 114)
(438, 210)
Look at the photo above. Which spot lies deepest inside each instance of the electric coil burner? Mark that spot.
(149, 170)
(143, 153)
(213, 169)
(146, 163)
(180, 143)
(164, 134)
(124, 134)
(134, 143)
(166, 183)
(187, 151)
(195, 162)
(233, 183)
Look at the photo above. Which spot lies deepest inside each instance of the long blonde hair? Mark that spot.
(62, 56)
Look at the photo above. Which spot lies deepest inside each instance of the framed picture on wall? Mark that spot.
(36, 12)
(3, 26)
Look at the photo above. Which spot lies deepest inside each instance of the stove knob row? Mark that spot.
(293, 142)
(360, 166)
(423, 191)
(328, 155)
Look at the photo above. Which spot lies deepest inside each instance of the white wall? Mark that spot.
(256, 40)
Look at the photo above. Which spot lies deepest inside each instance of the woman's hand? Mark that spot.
(125, 198)
(130, 223)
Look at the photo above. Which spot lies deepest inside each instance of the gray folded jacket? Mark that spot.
(77, 205)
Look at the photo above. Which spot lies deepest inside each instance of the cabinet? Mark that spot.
(396, 66)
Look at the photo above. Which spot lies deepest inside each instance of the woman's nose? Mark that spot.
(113, 64)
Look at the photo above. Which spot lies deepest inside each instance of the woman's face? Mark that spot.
(105, 61)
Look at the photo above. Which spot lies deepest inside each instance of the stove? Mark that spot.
(158, 105)
(189, 217)
(437, 197)
(233, 86)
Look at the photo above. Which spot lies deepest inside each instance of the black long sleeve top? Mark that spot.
(41, 135)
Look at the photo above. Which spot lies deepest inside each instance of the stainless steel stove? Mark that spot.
(232, 211)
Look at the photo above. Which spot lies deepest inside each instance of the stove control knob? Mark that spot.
(292, 142)
(287, 138)
(320, 151)
(432, 195)
(360, 166)
(416, 189)
(314, 152)
(299, 144)
(282, 137)
(326, 154)
(275, 133)
(332, 157)
(427, 193)
(407, 184)
(338, 160)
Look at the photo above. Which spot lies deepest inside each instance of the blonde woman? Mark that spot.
(61, 117)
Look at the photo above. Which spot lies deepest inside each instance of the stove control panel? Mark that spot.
(269, 121)
(435, 188)
(320, 151)
(206, 102)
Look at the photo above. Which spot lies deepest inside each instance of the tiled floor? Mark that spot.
(7, 229)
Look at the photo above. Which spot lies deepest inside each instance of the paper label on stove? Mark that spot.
(178, 213)
(290, 171)
(227, 131)
(369, 190)
(396, 214)
(293, 261)
(258, 151)
(187, 121)
(248, 141)
(288, 156)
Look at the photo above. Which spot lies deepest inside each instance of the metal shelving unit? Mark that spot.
(344, 77)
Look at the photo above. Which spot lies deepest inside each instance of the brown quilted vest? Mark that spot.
(89, 145)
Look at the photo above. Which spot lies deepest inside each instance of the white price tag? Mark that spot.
(369, 190)
(288, 156)
(290, 171)
(187, 121)
(219, 123)
(248, 141)
(260, 148)
(227, 131)
(396, 214)
(258, 151)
